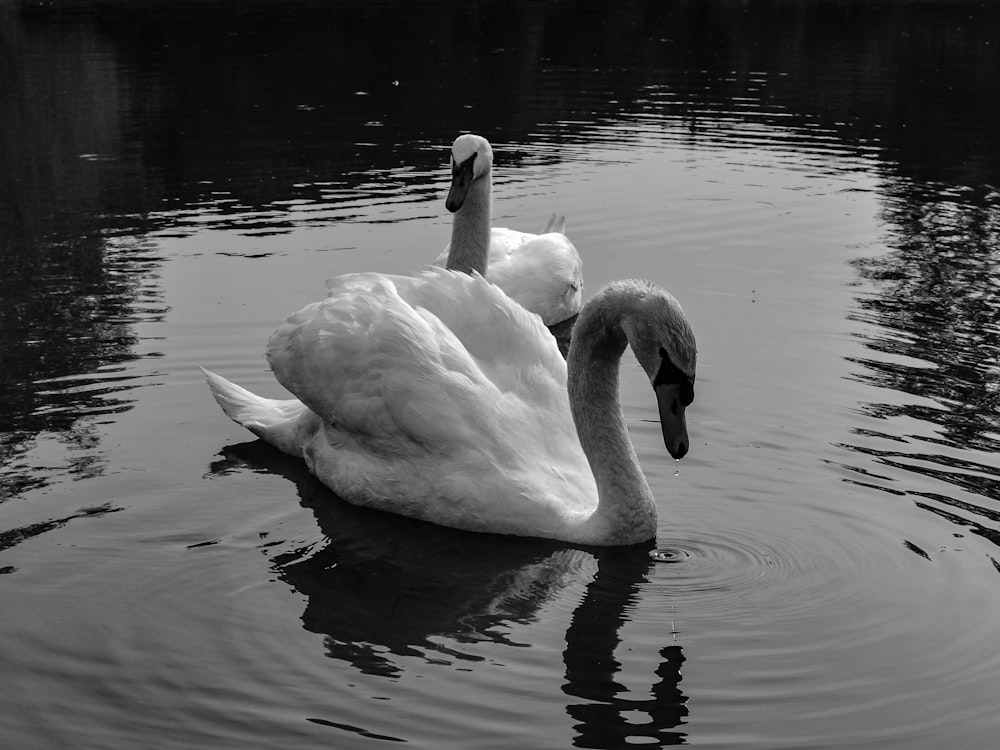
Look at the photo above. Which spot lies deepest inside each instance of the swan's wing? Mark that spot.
(544, 274)
(438, 360)
(504, 241)
(437, 397)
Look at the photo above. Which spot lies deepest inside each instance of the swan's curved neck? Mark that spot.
(626, 510)
(470, 229)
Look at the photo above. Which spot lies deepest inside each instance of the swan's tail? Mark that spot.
(273, 420)
(556, 224)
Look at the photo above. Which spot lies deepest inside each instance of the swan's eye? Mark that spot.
(670, 374)
(465, 166)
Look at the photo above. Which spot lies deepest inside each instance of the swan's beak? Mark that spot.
(672, 421)
(461, 179)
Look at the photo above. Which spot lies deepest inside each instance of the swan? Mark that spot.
(542, 272)
(438, 397)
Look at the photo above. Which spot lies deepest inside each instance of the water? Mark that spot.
(817, 182)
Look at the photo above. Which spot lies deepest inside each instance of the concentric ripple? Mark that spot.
(706, 569)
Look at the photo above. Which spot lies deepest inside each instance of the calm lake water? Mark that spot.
(817, 182)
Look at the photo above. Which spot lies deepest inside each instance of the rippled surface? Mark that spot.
(816, 182)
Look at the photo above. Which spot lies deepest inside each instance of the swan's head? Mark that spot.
(664, 344)
(471, 159)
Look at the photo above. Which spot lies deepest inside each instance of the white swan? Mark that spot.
(542, 272)
(438, 397)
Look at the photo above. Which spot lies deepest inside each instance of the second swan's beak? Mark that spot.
(461, 178)
(672, 421)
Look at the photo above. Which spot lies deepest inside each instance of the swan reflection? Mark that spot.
(384, 588)
(604, 714)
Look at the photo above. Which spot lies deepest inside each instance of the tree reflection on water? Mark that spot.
(937, 312)
(76, 277)
(934, 322)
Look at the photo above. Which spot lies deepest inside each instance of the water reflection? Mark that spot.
(308, 101)
(607, 716)
(937, 312)
(382, 588)
(14, 537)
(935, 337)
(71, 290)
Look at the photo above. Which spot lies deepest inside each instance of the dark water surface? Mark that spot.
(817, 182)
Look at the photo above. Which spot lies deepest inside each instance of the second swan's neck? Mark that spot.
(470, 229)
(626, 510)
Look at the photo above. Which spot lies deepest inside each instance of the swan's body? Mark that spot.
(542, 272)
(440, 398)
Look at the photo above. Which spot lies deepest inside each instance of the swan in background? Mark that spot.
(438, 397)
(542, 272)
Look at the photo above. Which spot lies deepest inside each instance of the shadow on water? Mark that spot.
(383, 588)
